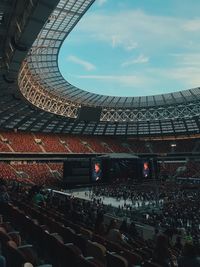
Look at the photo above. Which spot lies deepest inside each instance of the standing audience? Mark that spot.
(189, 258)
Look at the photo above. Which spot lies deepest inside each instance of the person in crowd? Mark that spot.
(156, 234)
(114, 235)
(2, 261)
(132, 230)
(178, 245)
(4, 195)
(38, 198)
(189, 257)
(123, 227)
(162, 254)
(99, 225)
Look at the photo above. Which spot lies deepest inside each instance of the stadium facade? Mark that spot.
(35, 96)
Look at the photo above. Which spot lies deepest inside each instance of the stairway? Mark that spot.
(40, 145)
(8, 145)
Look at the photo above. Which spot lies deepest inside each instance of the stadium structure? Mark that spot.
(72, 161)
(41, 112)
(35, 96)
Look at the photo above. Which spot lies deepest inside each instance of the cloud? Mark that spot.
(188, 76)
(184, 76)
(154, 38)
(187, 59)
(87, 65)
(185, 69)
(192, 25)
(125, 80)
(101, 2)
(115, 41)
(141, 59)
(130, 29)
(131, 46)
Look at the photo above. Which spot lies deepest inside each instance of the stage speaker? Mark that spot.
(89, 113)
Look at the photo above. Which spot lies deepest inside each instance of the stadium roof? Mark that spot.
(35, 96)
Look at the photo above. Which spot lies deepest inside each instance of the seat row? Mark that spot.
(14, 250)
(104, 252)
(32, 173)
(61, 143)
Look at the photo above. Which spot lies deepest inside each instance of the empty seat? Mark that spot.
(132, 257)
(80, 241)
(150, 264)
(87, 233)
(17, 256)
(86, 262)
(97, 251)
(115, 260)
